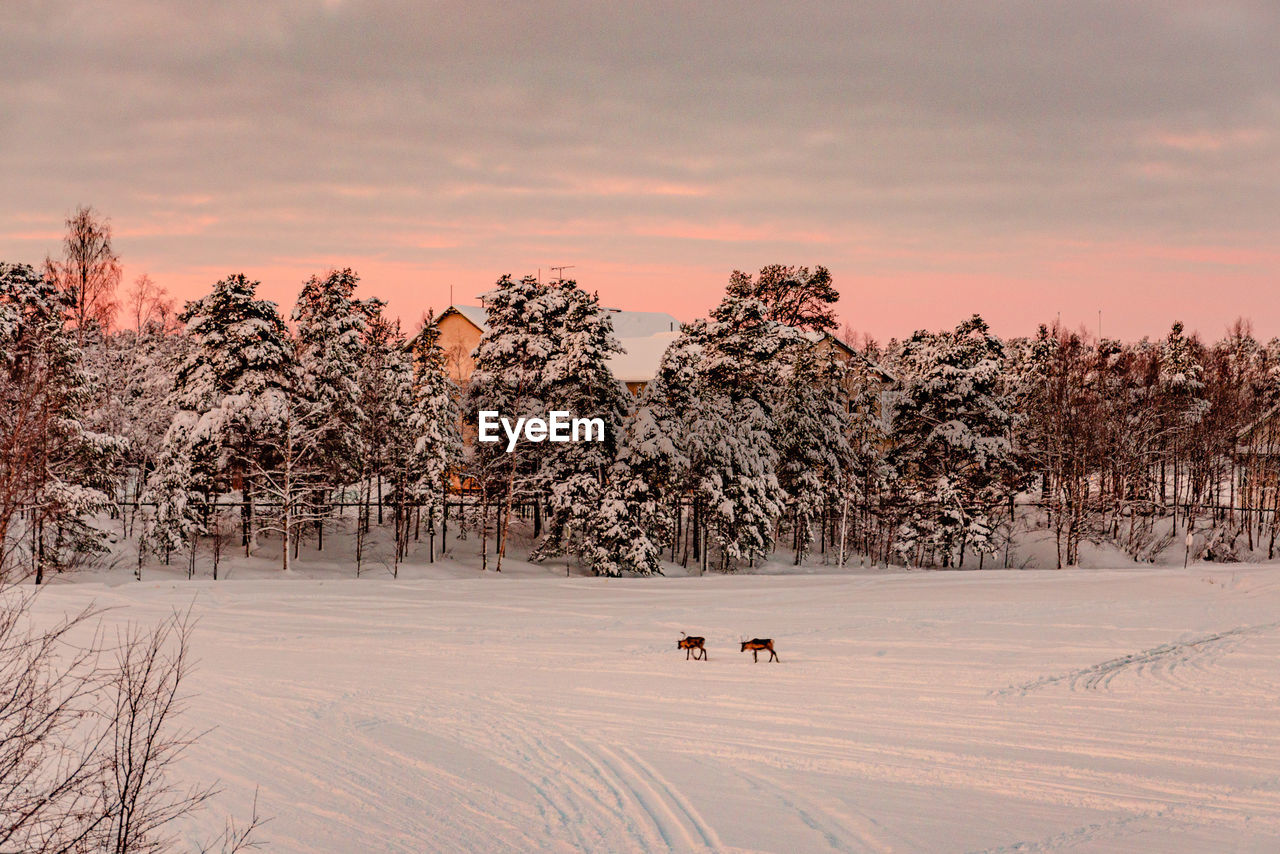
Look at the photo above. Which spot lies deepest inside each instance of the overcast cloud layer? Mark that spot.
(1018, 159)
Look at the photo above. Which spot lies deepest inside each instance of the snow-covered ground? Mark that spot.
(1083, 710)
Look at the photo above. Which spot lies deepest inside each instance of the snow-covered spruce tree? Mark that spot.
(951, 434)
(434, 426)
(386, 444)
(289, 471)
(650, 481)
(139, 405)
(52, 465)
(230, 393)
(704, 435)
(331, 324)
(399, 386)
(731, 433)
(1182, 406)
(180, 484)
(737, 488)
(617, 542)
(813, 416)
(577, 379)
(861, 521)
(509, 375)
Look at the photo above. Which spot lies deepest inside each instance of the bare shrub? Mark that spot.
(89, 736)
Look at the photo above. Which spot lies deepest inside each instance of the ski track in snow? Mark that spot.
(1159, 662)
(543, 714)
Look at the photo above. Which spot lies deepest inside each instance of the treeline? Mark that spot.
(759, 432)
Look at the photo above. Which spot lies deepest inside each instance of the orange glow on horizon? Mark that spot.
(1140, 288)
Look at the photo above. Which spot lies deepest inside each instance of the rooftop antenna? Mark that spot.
(559, 271)
(451, 295)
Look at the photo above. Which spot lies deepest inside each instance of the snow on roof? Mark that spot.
(643, 355)
(641, 324)
(474, 313)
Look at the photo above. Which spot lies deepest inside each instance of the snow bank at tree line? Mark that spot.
(1033, 548)
(1096, 710)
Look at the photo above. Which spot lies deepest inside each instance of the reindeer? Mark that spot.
(692, 646)
(757, 644)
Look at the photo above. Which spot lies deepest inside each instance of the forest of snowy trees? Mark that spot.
(227, 425)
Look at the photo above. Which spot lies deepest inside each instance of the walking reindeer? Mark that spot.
(757, 644)
(693, 646)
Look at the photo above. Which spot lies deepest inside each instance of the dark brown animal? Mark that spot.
(692, 646)
(757, 644)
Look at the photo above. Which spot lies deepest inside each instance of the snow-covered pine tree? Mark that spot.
(331, 324)
(509, 373)
(577, 379)
(813, 415)
(434, 426)
(951, 433)
(231, 394)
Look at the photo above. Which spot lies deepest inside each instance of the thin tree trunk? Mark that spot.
(844, 526)
(38, 551)
(484, 529)
(246, 514)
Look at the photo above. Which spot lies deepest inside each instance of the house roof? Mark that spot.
(1244, 433)
(474, 313)
(873, 367)
(640, 362)
(642, 324)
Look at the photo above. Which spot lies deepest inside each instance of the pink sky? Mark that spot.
(1139, 289)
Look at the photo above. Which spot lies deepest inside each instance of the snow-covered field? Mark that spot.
(1086, 710)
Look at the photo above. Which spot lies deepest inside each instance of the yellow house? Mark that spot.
(644, 336)
(460, 329)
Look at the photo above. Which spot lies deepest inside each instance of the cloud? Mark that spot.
(480, 135)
